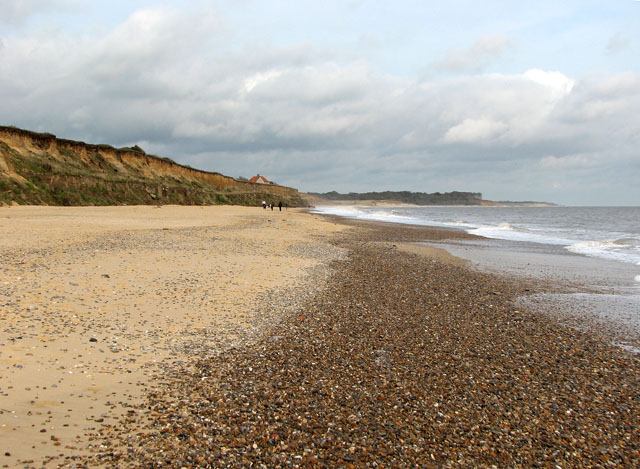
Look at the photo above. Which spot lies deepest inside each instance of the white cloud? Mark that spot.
(310, 118)
(254, 80)
(559, 84)
(474, 131)
(152, 41)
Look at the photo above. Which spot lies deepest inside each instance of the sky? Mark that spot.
(535, 100)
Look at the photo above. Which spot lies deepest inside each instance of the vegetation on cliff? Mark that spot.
(40, 169)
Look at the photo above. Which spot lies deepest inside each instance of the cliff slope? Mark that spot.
(40, 169)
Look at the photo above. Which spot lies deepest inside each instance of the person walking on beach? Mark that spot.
(264, 204)
(280, 205)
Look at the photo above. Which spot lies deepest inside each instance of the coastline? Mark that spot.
(588, 276)
(380, 356)
(595, 295)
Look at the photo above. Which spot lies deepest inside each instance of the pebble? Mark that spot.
(399, 362)
(48, 316)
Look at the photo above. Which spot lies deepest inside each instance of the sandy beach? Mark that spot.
(96, 302)
(225, 336)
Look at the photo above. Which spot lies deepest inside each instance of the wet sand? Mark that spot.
(96, 303)
(597, 295)
(547, 263)
(403, 359)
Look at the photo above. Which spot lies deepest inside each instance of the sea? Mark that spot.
(592, 252)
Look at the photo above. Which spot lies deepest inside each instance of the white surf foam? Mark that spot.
(352, 211)
(624, 250)
(339, 210)
(578, 237)
(510, 232)
(461, 223)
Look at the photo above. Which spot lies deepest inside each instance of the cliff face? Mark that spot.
(41, 169)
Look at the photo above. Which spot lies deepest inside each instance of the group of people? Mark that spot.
(270, 205)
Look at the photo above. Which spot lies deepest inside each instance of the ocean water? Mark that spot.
(595, 250)
(602, 232)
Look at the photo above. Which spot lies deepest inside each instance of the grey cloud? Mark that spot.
(316, 123)
(17, 12)
(153, 45)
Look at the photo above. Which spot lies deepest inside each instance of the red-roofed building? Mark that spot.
(259, 179)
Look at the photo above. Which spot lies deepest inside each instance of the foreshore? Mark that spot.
(359, 349)
(97, 302)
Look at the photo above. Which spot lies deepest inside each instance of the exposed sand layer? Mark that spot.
(97, 302)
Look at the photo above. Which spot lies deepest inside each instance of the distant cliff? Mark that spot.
(40, 169)
(415, 198)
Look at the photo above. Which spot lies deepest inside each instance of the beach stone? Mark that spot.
(399, 362)
(374, 357)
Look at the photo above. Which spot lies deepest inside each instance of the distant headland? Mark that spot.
(412, 198)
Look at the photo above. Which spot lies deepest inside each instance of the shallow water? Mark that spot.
(594, 252)
(602, 232)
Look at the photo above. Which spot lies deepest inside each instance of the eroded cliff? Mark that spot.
(40, 169)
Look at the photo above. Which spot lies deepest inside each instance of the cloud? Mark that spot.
(16, 12)
(571, 161)
(251, 82)
(165, 79)
(559, 84)
(474, 131)
(477, 56)
(152, 42)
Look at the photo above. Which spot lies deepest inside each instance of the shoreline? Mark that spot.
(595, 295)
(592, 293)
(400, 360)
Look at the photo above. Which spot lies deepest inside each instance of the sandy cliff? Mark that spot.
(38, 168)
